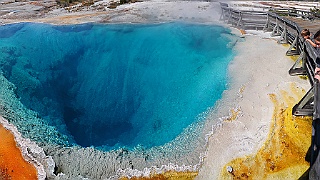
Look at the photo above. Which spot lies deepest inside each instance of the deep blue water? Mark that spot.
(117, 85)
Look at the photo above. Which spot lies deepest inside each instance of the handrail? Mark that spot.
(287, 21)
(288, 11)
(295, 12)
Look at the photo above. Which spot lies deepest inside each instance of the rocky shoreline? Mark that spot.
(105, 11)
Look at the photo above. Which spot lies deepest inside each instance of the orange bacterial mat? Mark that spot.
(12, 164)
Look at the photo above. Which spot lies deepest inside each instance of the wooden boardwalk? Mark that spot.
(313, 25)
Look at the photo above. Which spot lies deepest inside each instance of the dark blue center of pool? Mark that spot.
(117, 85)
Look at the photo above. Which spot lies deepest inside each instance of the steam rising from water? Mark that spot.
(144, 88)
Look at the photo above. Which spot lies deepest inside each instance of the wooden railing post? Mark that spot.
(294, 47)
(267, 25)
(222, 15)
(284, 37)
(240, 19)
(299, 67)
(276, 29)
(230, 14)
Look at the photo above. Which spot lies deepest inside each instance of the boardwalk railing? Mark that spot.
(289, 33)
(295, 13)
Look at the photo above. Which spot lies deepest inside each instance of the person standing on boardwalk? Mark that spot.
(306, 35)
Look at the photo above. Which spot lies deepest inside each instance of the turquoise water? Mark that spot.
(112, 86)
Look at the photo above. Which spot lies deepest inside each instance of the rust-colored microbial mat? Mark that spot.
(170, 175)
(283, 154)
(12, 164)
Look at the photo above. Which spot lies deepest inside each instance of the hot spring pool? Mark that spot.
(111, 86)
